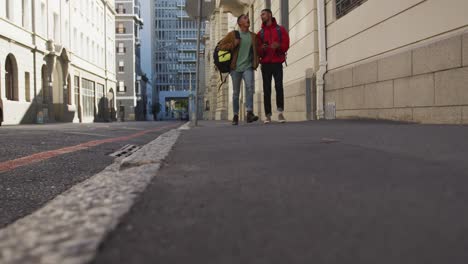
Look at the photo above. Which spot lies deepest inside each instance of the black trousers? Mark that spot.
(274, 70)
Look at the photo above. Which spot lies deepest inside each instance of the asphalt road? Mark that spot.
(28, 187)
(315, 192)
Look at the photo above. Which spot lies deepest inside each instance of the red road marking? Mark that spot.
(23, 161)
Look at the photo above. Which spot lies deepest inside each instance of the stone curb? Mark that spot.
(69, 228)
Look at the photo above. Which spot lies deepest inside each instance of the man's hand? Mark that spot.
(275, 45)
(236, 42)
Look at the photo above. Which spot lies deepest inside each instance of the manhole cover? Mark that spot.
(125, 151)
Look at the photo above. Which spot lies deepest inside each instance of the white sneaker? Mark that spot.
(281, 118)
(267, 120)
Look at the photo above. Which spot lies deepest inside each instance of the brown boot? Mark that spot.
(235, 120)
(251, 117)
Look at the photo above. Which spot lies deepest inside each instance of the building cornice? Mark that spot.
(109, 6)
(137, 19)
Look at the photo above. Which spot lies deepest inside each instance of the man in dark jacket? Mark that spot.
(242, 44)
(272, 45)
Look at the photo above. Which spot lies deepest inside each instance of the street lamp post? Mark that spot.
(195, 116)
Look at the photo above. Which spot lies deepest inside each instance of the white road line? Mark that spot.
(69, 228)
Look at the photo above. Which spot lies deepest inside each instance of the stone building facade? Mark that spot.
(402, 60)
(57, 60)
(131, 89)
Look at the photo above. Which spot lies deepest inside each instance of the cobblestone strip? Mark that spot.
(69, 228)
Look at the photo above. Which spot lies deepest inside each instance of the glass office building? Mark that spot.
(175, 41)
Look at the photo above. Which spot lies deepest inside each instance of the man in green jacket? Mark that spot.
(242, 44)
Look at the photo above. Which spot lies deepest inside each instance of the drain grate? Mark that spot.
(125, 151)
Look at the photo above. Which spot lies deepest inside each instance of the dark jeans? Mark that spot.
(274, 70)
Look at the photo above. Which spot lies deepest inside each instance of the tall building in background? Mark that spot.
(147, 14)
(175, 55)
(131, 85)
(57, 61)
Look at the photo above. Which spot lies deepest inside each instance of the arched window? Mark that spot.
(11, 78)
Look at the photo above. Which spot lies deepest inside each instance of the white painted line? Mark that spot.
(69, 228)
(185, 126)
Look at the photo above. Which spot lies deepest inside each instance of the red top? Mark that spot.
(267, 54)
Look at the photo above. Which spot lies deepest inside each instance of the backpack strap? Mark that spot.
(237, 34)
(278, 30)
(222, 81)
(262, 33)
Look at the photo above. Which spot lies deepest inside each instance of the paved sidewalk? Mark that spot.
(313, 192)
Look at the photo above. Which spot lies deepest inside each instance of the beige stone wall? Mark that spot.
(400, 60)
(379, 27)
(427, 84)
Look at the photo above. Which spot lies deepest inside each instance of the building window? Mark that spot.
(81, 47)
(88, 49)
(75, 44)
(102, 56)
(120, 29)
(100, 92)
(8, 9)
(26, 13)
(77, 90)
(121, 66)
(121, 88)
(121, 48)
(11, 78)
(93, 55)
(43, 19)
(91, 14)
(27, 86)
(56, 27)
(121, 9)
(88, 97)
(65, 35)
(345, 6)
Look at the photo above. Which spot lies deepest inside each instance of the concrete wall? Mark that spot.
(404, 60)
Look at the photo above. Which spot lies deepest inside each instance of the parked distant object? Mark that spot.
(180, 115)
(156, 109)
(185, 116)
(40, 117)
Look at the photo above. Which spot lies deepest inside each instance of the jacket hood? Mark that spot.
(273, 24)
